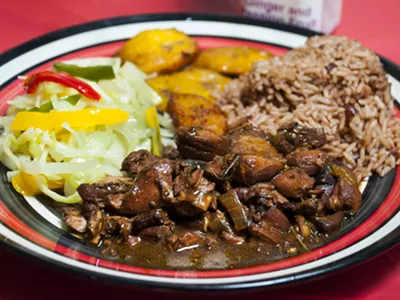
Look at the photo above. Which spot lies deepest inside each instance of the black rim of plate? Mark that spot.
(384, 184)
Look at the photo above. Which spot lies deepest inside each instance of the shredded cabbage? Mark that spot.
(74, 155)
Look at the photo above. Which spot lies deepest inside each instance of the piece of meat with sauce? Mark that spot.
(244, 194)
(252, 169)
(200, 143)
(280, 201)
(149, 218)
(222, 169)
(193, 193)
(310, 161)
(325, 181)
(216, 168)
(156, 232)
(329, 223)
(314, 137)
(136, 161)
(264, 193)
(94, 217)
(269, 220)
(152, 187)
(323, 189)
(258, 159)
(195, 223)
(170, 152)
(253, 145)
(308, 207)
(186, 209)
(246, 130)
(232, 239)
(282, 142)
(276, 218)
(116, 226)
(288, 138)
(293, 183)
(99, 191)
(349, 194)
(256, 211)
(266, 232)
(345, 196)
(74, 219)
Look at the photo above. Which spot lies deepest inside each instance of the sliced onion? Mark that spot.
(36, 168)
(41, 183)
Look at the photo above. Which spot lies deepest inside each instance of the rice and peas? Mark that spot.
(334, 83)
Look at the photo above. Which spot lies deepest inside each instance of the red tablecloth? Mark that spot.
(374, 23)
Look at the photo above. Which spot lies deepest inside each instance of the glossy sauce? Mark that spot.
(153, 254)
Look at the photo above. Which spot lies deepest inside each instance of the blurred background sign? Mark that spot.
(318, 15)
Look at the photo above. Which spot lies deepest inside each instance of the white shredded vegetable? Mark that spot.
(75, 156)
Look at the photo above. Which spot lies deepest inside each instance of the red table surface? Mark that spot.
(374, 23)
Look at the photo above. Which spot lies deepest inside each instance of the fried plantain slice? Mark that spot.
(194, 81)
(159, 50)
(211, 80)
(230, 60)
(194, 110)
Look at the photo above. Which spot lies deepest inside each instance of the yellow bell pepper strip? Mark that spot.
(94, 73)
(32, 82)
(48, 106)
(25, 184)
(152, 122)
(52, 120)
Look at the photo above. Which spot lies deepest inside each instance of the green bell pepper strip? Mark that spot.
(94, 73)
(48, 106)
(344, 172)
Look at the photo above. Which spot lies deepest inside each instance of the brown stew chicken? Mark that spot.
(236, 200)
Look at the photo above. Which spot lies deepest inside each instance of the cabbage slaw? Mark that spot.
(71, 156)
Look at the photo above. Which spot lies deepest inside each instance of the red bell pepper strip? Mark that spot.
(32, 82)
